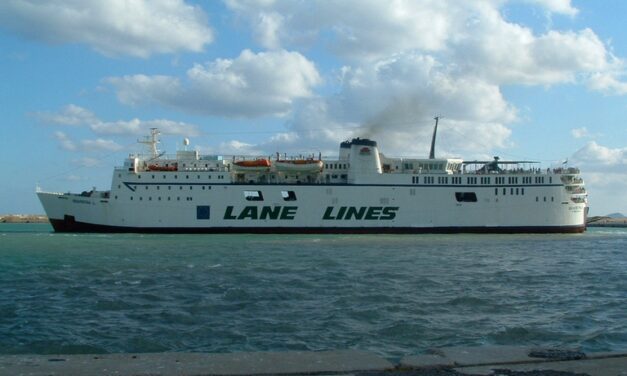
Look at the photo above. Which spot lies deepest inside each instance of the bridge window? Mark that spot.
(253, 195)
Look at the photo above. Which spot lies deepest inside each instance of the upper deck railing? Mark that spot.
(203, 163)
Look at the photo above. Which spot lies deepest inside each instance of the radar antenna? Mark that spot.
(151, 142)
(435, 131)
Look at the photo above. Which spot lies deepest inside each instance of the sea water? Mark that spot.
(392, 294)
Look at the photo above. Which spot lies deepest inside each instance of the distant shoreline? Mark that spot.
(23, 218)
(600, 221)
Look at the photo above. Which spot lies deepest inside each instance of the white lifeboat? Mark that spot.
(298, 165)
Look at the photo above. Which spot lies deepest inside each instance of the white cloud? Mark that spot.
(65, 142)
(370, 30)
(142, 127)
(471, 36)
(362, 29)
(395, 100)
(70, 115)
(601, 157)
(267, 28)
(580, 132)
(608, 82)
(607, 191)
(506, 53)
(100, 145)
(557, 6)
(87, 162)
(74, 178)
(232, 147)
(253, 84)
(114, 27)
(79, 116)
(407, 60)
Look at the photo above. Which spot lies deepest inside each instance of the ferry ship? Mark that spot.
(360, 191)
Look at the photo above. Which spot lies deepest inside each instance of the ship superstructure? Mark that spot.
(360, 191)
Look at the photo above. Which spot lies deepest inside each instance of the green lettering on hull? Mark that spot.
(248, 212)
(228, 214)
(261, 213)
(347, 213)
(369, 213)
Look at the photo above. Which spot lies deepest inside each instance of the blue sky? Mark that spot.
(81, 80)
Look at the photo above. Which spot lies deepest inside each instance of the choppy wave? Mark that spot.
(395, 295)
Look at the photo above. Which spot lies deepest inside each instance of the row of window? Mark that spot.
(198, 177)
(512, 191)
(472, 197)
(291, 196)
(158, 198)
(538, 199)
(158, 187)
(429, 166)
(335, 176)
(336, 166)
(486, 180)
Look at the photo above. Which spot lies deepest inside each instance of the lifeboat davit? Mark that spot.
(252, 165)
(298, 165)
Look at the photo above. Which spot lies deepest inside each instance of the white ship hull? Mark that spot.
(346, 209)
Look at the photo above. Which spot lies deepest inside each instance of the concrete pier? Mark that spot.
(458, 361)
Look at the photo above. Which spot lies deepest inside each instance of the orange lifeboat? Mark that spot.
(261, 164)
(155, 167)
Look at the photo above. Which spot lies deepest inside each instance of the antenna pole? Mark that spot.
(152, 141)
(435, 131)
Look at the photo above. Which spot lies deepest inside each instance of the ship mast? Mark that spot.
(435, 131)
(151, 142)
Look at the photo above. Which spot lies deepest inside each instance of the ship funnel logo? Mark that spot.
(364, 151)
